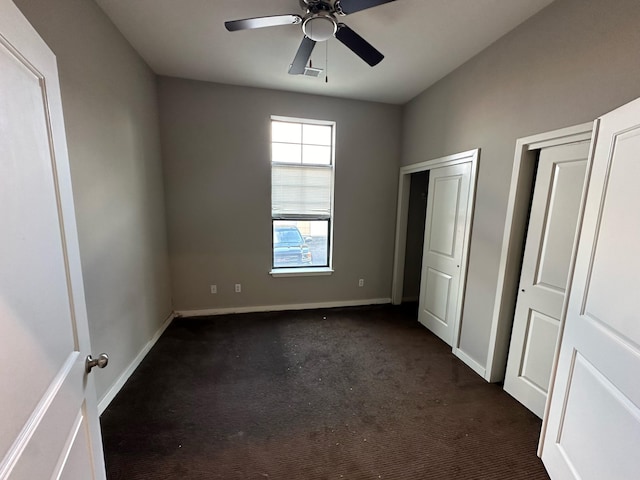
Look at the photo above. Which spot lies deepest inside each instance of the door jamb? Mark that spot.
(404, 187)
(513, 238)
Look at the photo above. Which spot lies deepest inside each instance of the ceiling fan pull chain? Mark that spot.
(326, 63)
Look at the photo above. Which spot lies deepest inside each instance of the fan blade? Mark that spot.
(261, 22)
(302, 56)
(358, 45)
(352, 6)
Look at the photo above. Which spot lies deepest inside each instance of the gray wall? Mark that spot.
(216, 150)
(111, 118)
(567, 65)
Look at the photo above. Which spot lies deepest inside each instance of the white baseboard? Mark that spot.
(277, 308)
(475, 366)
(121, 380)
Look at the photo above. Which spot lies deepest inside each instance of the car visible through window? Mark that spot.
(289, 247)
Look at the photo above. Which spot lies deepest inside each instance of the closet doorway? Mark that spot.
(445, 244)
(564, 166)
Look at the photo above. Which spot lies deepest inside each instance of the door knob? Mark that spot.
(100, 362)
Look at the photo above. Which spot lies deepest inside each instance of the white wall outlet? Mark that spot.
(361, 282)
(238, 288)
(214, 289)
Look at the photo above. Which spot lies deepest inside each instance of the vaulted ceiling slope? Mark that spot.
(422, 41)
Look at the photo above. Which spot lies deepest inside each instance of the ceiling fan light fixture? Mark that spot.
(319, 28)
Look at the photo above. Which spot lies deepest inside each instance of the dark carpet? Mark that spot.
(352, 393)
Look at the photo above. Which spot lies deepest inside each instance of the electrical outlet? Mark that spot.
(238, 288)
(361, 282)
(214, 289)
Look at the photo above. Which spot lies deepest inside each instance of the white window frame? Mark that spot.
(309, 271)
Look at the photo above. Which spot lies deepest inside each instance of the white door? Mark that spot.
(48, 415)
(445, 225)
(545, 268)
(593, 423)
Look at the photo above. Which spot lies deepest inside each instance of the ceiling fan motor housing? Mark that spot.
(310, 5)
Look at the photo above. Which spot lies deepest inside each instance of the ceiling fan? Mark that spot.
(319, 23)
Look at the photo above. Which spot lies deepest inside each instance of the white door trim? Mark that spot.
(470, 156)
(522, 177)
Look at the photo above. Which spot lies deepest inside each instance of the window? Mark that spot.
(301, 194)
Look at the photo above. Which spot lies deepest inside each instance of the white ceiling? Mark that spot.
(422, 40)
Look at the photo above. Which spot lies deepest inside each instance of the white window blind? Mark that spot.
(300, 191)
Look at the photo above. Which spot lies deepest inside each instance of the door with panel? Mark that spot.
(592, 428)
(547, 256)
(446, 222)
(48, 412)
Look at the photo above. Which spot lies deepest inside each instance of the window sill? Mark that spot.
(301, 272)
